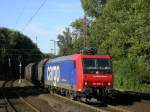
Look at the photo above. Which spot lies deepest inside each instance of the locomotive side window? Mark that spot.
(97, 66)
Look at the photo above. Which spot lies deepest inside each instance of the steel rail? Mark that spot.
(27, 103)
(7, 102)
(108, 108)
(80, 103)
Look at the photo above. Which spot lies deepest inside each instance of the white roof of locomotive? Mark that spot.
(62, 58)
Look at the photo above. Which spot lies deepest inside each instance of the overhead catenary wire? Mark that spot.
(31, 18)
(21, 13)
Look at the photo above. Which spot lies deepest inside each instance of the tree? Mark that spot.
(14, 44)
(65, 42)
(120, 28)
(93, 7)
(81, 30)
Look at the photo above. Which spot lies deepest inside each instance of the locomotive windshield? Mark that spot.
(97, 66)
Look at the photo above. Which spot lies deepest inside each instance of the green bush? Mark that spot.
(132, 74)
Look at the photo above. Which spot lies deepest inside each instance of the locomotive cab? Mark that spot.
(97, 75)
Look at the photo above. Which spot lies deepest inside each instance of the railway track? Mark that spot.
(35, 109)
(5, 104)
(90, 107)
(12, 101)
(113, 106)
(34, 99)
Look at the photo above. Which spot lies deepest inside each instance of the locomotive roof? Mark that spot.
(62, 58)
(72, 57)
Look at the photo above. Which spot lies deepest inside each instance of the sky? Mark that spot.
(50, 21)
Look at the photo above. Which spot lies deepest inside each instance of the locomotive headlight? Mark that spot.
(109, 83)
(85, 83)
